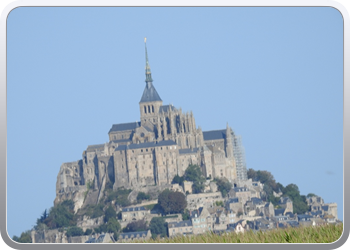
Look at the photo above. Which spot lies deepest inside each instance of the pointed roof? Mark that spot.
(150, 93)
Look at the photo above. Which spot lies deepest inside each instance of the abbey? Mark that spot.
(152, 151)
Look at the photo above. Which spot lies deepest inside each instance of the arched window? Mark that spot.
(145, 109)
(152, 109)
(149, 109)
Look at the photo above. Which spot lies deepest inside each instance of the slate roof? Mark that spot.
(325, 208)
(121, 140)
(256, 200)
(124, 126)
(233, 200)
(184, 223)
(165, 108)
(133, 234)
(214, 134)
(130, 209)
(279, 211)
(150, 94)
(94, 147)
(146, 145)
(188, 151)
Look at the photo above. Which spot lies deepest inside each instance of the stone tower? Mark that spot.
(150, 101)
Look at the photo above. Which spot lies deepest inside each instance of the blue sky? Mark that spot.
(274, 74)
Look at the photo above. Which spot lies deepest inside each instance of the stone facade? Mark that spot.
(150, 152)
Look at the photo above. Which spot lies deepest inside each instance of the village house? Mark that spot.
(127, 237)
(201, 220)
(180, 228)
(134, 213)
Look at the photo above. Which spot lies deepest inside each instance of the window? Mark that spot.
(145, 109)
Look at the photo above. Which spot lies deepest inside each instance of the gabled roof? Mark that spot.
(133, 234)
(130, 209)
(188, 151)
(214, 134)
(165, 108)
(185, 223)
(124, 126)
(91, 148)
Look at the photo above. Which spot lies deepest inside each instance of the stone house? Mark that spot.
(127, 237)
(134, 213)
(180, 228)
(235, 205)
(194, 201)
(202, 221)
(286, 203)
(242, 193)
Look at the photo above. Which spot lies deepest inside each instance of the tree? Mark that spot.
(135, 226)
(178, 179)
(158, 226)
(172, 202)
(88, 231)
(223, 185)
(74, 231)
(109, 213)
(310, 195)
(142, 196)
(299, 201)
(193, 173)
(61, 215)
(24, 238)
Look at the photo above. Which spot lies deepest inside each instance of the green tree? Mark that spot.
(135, 226)
(61, 215)
(310, 195)
(74, 231)
(172, 202)
(158, 226)
(223, 185)
(299, 201)
(178, 179)
(24, 238)
(88, 231)
(193, 173)
(142, 196)
(109, 213)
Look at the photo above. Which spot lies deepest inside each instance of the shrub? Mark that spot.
(74, 231)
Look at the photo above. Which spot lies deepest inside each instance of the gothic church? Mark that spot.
(152, 151)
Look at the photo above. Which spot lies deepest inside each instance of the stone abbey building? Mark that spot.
(152, 151)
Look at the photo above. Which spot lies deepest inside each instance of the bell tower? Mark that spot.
(150, 101)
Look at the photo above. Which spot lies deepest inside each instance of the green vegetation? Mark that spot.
(172, 202)
(112, 226)
(158, 226)
(74, 231)
(185, 215)
(292, 191)
(224, 185)
(109, 213)
(320, 234)
(136, 226)
(61, 215)
(310, 195)
(219, 203)
(193, 173)
(24, 238)
(299, 201)
(142, 196)
(120, 196)
(177, 179)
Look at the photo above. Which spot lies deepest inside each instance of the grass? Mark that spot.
(319, 234)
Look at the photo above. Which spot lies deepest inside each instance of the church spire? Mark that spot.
(150, 93)
(148, 68)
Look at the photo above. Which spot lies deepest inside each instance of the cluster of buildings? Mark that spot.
(162, 144)
(242, 210)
